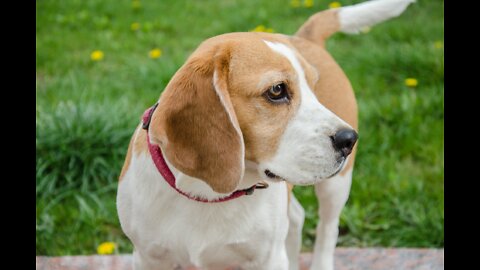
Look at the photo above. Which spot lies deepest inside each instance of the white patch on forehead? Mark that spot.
(289, 54)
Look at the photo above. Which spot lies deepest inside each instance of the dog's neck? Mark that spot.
(198, 188)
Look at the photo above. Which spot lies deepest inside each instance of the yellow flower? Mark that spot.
(155, 53)
(334, 4)
(106, 248)
(135, 26)
(438, 44)
(295, 3)
(411, 82)
(136, 4)
(262, 28)
(308, 3)
(96, 55)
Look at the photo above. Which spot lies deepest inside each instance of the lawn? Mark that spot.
(87, 110)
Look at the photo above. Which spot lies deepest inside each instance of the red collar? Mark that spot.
(167, 174)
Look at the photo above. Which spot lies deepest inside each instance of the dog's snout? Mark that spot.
(344, 140)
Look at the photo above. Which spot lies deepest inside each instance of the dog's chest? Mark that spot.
(162, 223)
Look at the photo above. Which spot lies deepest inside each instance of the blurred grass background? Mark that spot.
(87, 111)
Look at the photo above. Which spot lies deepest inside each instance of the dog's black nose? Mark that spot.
(344, 140)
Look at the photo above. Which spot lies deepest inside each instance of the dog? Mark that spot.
(209, 171)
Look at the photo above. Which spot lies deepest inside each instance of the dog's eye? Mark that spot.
(278, 93)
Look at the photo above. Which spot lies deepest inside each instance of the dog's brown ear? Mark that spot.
(196, 125)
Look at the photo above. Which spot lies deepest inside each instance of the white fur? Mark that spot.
(171, 230)
(305, 154)
(354, 18)
(332, 195)
(296, 217)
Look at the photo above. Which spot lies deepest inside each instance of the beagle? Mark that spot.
(209, 170)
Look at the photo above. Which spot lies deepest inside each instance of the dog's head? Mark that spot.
(248, 96)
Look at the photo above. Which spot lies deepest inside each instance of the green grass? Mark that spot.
(86, 112)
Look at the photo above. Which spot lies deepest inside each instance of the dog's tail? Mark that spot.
(350, 19)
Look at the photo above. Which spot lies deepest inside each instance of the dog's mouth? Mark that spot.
(271, 175)
(340, 167)
(337, 171)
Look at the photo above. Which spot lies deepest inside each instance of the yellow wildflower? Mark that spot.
(262, 28)
(155, 53)
(295, 3)
(438, 44)
(96, 55)
(334, 4)
(411, 82)
(106, 248)
(136, 4)
(135, 26)
(308, 3)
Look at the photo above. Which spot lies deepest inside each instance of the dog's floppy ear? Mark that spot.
(196, 125)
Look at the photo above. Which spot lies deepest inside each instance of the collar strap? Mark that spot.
(167, 174)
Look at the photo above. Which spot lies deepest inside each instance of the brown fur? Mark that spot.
(138, 144)
(128, 158)
(140, 141)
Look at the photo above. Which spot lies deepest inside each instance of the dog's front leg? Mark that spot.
(296, 217)
(332, 195)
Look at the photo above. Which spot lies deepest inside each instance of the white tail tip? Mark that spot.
(356, 17)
